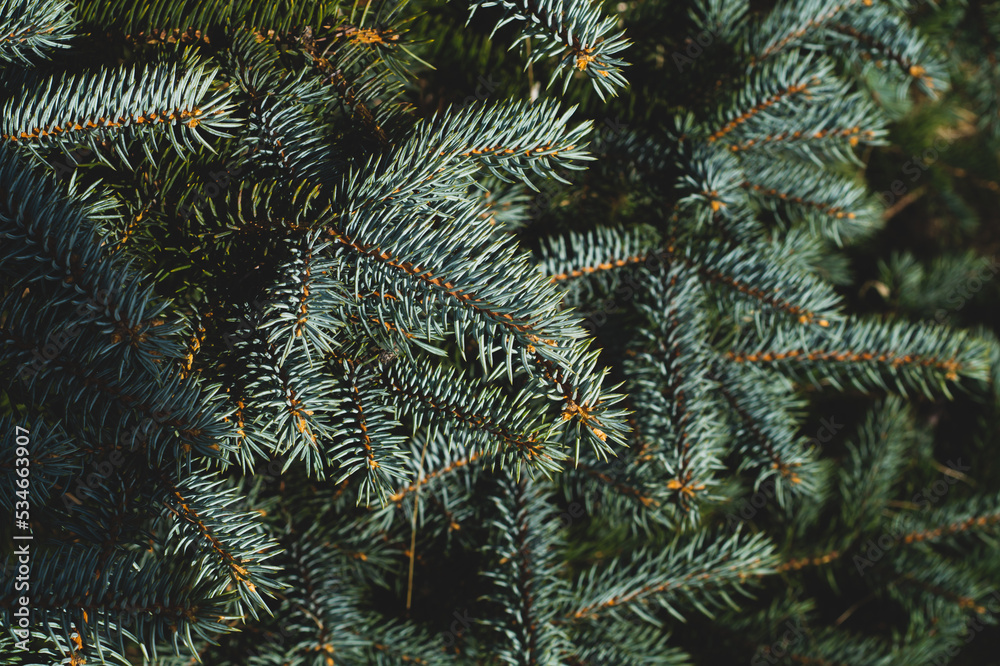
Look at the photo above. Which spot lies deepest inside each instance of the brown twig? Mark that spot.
(413, 531)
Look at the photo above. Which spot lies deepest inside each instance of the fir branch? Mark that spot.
(503, 427)
(433, 474)
(674, 576)
(143, 99)
(34, 28)
(369, 444)
(135, 16)
(158, 601)
(793, 20)
(872, 354)
(526, 576)
(222, 534)
(574, 30)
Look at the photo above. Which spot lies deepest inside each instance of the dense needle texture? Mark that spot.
(527, 332)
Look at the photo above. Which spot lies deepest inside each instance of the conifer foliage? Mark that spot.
(314, 364)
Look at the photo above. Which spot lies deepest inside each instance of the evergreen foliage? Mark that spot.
(321, 363)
